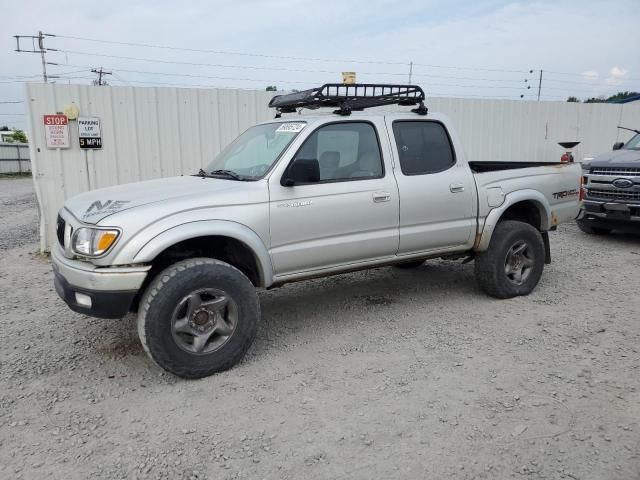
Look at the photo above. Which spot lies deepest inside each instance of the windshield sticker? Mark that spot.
(107, 208)
(291, 127)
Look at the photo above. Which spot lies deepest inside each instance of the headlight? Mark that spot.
(93, 242)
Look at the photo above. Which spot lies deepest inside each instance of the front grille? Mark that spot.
(60, 225)
(615, 171)
(613, 194)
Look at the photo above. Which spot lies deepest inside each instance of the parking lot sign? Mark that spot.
(89, 134)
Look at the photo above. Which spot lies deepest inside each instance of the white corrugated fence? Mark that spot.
(150, 132)
(14, 158)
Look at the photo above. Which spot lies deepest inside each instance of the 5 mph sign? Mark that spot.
(89, 132)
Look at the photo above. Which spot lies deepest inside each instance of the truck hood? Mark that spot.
(96, 205)
(618, 159)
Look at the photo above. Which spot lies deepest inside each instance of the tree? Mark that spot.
(20, 136)
(602, 99)
(271, 88)
(622, 96)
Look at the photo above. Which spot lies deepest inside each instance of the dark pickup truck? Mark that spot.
(611, 184)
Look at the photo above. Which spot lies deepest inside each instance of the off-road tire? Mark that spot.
(161, 298)
(409, 265)
(490, 265)
(592, 230)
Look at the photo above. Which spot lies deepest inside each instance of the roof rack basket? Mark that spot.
(353, 97)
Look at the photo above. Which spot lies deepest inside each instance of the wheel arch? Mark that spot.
(529, 206)
(228, 241)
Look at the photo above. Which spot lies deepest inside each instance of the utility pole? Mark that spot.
(539, 84)
(40, 48)
(100, 72)
(410, 71)
(44, 60)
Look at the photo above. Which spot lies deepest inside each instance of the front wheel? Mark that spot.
(198, 317)
(513, 263)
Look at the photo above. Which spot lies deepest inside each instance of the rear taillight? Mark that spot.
(583, 188)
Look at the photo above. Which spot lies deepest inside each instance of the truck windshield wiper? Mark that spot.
(630, 129)
(228, 173)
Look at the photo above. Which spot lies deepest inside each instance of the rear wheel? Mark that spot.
(591, 229)
(198, 317)
(513, 263)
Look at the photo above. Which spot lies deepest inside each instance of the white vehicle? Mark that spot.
(296, 198)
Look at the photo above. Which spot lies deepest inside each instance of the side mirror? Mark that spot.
(302, 170)
(618, 145)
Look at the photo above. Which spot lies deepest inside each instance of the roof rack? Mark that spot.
(348, 98)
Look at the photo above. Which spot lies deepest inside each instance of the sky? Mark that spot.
(477, 49)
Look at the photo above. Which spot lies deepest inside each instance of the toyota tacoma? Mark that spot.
(301, 197)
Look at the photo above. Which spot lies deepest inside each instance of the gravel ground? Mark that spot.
(378, 374)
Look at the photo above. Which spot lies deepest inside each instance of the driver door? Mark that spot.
(349, 216)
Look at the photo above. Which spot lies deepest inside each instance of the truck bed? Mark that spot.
(481, 167)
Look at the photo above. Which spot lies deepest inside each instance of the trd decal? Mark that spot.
(566, 193)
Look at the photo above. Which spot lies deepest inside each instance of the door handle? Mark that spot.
(456, 187)
(381, 197)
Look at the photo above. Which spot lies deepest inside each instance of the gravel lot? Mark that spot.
(378, 374)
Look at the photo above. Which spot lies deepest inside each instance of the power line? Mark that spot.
(289, 81)
(17, 77)
(314, 59)
(253, 67)
(473, 68)
(222, 52)
(286, 57)
(283, 81)
(300, 70)
(217, 77)
(199, 64)
(428, 75)
(56, 77)
(214, 77)
(582, 75)
(146, 59)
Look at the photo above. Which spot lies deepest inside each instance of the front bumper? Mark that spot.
(618, 216)
(103, 292)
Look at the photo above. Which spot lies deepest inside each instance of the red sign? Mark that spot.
(56, 131)
(55, 120)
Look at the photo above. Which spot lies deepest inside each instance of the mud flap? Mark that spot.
(547, 247)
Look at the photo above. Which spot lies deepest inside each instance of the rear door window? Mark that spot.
(423, 147)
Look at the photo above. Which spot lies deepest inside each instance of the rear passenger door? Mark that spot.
(436, 192)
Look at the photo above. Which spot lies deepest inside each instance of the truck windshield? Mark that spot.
(633, 144)
(254, 152)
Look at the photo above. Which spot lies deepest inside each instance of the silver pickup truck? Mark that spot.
(297, 198)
